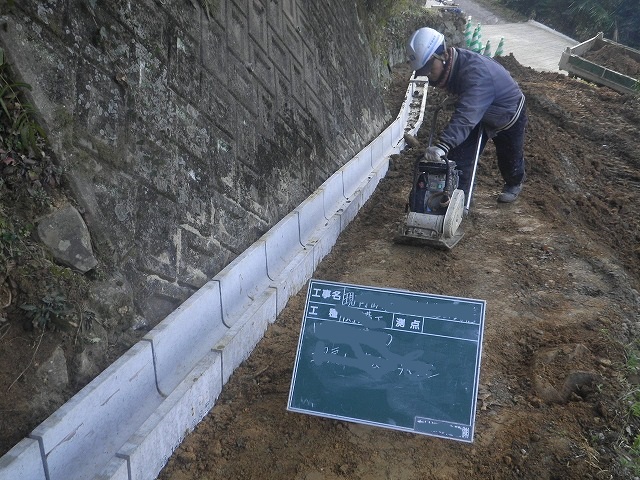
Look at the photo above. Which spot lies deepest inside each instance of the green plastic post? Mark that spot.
(487, 49)
(500, 49)
(476, 45)
(468, 32)
(476, 32)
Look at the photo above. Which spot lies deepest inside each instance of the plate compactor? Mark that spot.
(436, 206)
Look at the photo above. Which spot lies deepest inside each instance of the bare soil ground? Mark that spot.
(559, 270)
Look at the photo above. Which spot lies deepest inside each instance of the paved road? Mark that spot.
(532, 44)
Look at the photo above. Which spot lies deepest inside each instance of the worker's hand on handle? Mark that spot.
(434, 154)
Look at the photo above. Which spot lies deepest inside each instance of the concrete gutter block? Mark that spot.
(23, 461)
(282, 242)
(397, 132)
(186, 335)
(149, 449)
(333, 196)
(240, 340)
(369, 186)
(406, 104)
(377, 149)
(377, 175)
(311, 215)
(82, 436)
(418, 123)
(398, 147)
(241, 281)
(381, 168)
(365, 153)
(386, 138)
(294, 277)
(402, 114)
(116, 469)
(385, 141)
(352, 174)
(326, 238)
(350, 210)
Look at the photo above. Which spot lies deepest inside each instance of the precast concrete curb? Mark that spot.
(126, 423)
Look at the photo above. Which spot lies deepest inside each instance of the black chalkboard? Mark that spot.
(389, 358)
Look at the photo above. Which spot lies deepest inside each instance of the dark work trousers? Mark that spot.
(509, 150)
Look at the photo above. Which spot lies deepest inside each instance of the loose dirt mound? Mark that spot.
(616, 59)
(559, 271)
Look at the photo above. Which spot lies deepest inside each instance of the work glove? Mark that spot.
(434, 154)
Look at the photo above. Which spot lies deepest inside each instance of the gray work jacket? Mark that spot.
(486, 93)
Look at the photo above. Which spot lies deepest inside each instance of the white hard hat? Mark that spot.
(422, 45)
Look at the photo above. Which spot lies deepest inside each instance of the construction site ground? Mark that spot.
(559, 394)
(559, 270)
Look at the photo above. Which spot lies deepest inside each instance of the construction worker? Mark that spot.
(489, 102)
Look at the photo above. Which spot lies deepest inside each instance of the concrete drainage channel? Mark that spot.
(127, 422)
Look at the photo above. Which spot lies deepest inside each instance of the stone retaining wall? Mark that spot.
(186, 131)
